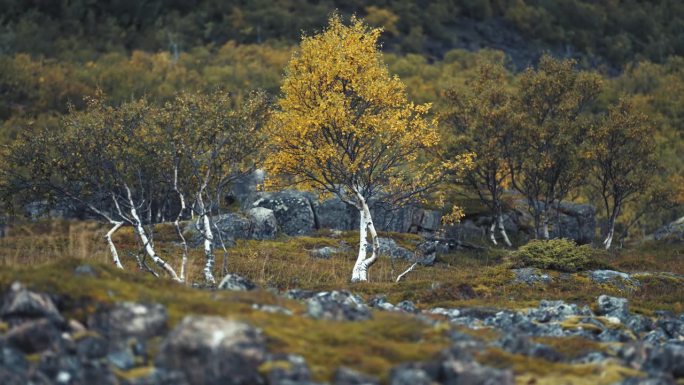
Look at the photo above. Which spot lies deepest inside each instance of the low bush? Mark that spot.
(556, 254)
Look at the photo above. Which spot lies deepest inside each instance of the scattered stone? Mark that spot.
(121, 359)
(271, 309)
(20, 304)
(407, 306)
(390, 248)
(531, 276)
(286, 369)
(620, 280)
(299, 294)
(324, 252)
(346, 376)
(85, 271)
(613, 306)
(337, 306)
(426, 253)
(409, 376)
(234, 282)
(450, 313)
(472, 373)
(130, 319)
(214, 351)
(34, 336)
(555, 311)
(380, 302)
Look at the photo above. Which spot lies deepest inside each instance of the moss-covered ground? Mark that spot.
(44, 256)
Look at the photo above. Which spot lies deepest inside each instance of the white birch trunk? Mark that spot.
(176, 223)
(545, 227)
(360, 272)
(611, 228)
(112, 247)
(492, 236)
(208, 236)
(502, 230)
(357, 274)
(149, 249)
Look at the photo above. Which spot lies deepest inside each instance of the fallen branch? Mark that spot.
(406, 272)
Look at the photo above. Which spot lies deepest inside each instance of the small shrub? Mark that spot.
(556, 254)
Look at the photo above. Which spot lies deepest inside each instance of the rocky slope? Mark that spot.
(75, 323)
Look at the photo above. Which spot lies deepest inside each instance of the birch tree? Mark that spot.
(345, 126)
(212, 143)
(104, 159)
(482, 119)
(546, 162)
(622, 155)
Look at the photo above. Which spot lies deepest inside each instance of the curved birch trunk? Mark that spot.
(112, 247)
(492, 236)
(176, 223)
(611, 228)
(149, 249)
(502, 230)
(360, 271)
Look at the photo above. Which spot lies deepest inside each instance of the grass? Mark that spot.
(44, 255)
(465, 278)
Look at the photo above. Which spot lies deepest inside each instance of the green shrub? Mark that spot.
(555, 254)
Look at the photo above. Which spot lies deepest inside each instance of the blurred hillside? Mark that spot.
(53, 53)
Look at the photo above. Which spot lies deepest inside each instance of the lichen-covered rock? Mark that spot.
(214, 351)
(325, 252)
(130, 319)
(286, 369)
(472, 373)
(34, 336)
(337, 306)
(263, 222)
(292, 209)
(390, 248)
(613, 307)
(346, 376)
(531, 276)
(21, 304)
(234, 282)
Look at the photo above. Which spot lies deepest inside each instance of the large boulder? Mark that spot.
(672, 232)
(407, 219)
(293, 210)
(334, 214)
(264, 223)
(20, 304)
(130, 319)
(214, 351)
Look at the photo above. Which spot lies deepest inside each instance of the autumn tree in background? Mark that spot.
(211, 144)
(622, 154)
(482, 119)
(345, 127)
(546, 163)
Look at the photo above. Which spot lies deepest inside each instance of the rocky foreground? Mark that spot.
(42, 342)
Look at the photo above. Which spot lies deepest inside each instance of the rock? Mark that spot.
(337, 306)
(264, 223)
(555, 311)
(292, 209)
(407, 306)
(121, 359)
(13, 366)
(613, 307)
(91, 347)
(521, 344)
(426, 253)
(409, 376)
(157, 376)
(389, 247)
(673, 232)
(380, 302)
(577, 222)
(324, 252)
(334, 214)
(622, 281)
(20, 304)
(450, 313)
(34, 336)
(85, 271)
(531, 276)
(271, 309)
(214, 351)
(299, 294)
(231, 226)
(673, 327)
(234, 282)
(287, 369)
(639, 324)
(346, 376)
(472, 373)
(130, 319)
(614, 335)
